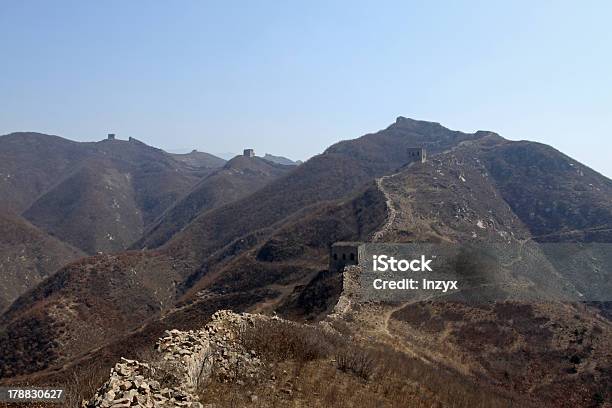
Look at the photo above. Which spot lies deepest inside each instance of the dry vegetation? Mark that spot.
(313, 366)
(556, 353)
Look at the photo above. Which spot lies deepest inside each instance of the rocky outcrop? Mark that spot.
(182, 364)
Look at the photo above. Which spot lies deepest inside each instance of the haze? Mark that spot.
(292, 78)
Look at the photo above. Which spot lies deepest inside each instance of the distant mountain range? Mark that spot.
(267, 156)
(280, 160)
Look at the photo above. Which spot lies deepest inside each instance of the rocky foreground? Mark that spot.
(182, 363)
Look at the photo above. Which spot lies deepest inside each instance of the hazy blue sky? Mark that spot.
(291, 77)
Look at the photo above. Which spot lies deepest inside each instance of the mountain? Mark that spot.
(453, 197)
(214, 242)
(462, 197)
(98, 195)
(280, 160)
(236, 179)
(200, 159)
(558, 198)
(95, 196)
(338, 172)
(31, 163)
(27, 256)
(268, 252)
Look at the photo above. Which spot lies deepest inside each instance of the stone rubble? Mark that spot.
(230, 359)
(189, 359)
(130, 386)
(189, 354)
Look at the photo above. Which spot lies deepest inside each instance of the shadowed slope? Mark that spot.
(27, 256)
(106, 201)
(558, 198)
(31, 163)
(236, 179)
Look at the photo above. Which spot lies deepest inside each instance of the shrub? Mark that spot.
(279, 340)
(357, 361)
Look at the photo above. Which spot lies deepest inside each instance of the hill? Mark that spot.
(237, 178)
(211, 242)
(31, 163)
(340, 171)
(109, 194)
(199, 159)
(558, 198)
(502, 351)
(280, 160)
(27, 256)
(523, 327)
(267, 252)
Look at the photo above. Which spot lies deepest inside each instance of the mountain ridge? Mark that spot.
(268, 250)
(42, 177)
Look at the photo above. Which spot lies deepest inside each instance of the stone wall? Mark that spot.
(182, 363)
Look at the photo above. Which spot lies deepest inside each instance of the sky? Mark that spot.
(291, 78)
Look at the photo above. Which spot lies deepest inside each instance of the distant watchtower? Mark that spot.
(248, 153)
(111, 136)
(345, 253)
(417, 154)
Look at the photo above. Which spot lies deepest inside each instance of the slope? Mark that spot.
(108, 200)
(209, 243)
(199, 159)
(236, 179)
(27, 256)
(30, 163)
(339, 172)
(558, 198)
(275, 262)
(555, 352)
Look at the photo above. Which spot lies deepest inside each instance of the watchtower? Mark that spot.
(345, 253)
(248, 153)
(417, 154)
(111, 136)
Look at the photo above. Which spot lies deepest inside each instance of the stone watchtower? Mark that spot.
(111, 136)
(345, 253)
(248, 153)
(417, 154)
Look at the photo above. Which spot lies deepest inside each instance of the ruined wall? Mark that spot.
(181, 365)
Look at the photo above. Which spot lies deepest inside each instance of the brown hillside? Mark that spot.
(200, 159)
(30, 163)
(99, 196)
(216, 237)
(27, 256)
(106, 202)
(339, 172)
(82, 306)
(558, 198)
(236, 179)
(268, 252)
